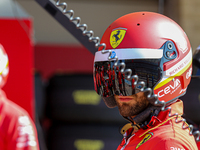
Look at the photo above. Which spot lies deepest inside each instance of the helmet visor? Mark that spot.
(109, 80)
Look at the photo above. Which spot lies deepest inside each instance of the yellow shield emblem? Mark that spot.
(116, 37)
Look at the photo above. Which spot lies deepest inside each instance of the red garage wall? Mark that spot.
(52, 58)
(16, 37)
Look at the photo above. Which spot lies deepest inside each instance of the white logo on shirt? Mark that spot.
(175, 148)
(26, 134)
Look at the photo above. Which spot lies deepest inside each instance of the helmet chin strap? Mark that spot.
(141, 120)
(144, 115)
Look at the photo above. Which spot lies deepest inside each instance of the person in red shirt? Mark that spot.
(17, 130)
(97, 79)
(113, 79)
(120, 78)
(198, 145)
(110, 78)
(158, 52)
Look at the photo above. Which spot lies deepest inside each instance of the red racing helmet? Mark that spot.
(4, 68)
(154, 47)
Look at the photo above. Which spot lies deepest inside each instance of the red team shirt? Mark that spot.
(17, 130)
(164, 134)
(198, 145)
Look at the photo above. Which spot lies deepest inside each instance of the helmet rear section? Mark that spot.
(153, 49)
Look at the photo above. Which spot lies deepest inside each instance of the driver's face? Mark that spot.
(129, 106)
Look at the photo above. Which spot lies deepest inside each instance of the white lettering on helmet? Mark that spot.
(189, 73)
(169, 88)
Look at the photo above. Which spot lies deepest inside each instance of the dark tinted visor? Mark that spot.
(109, 80)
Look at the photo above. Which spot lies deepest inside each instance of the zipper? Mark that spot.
(126, 142)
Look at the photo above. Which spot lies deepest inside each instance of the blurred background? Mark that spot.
(51, 71)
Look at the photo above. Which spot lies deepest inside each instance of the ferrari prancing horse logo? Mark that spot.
(146, 138)
(116, 36)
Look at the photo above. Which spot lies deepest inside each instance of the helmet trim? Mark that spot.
(130, 53)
